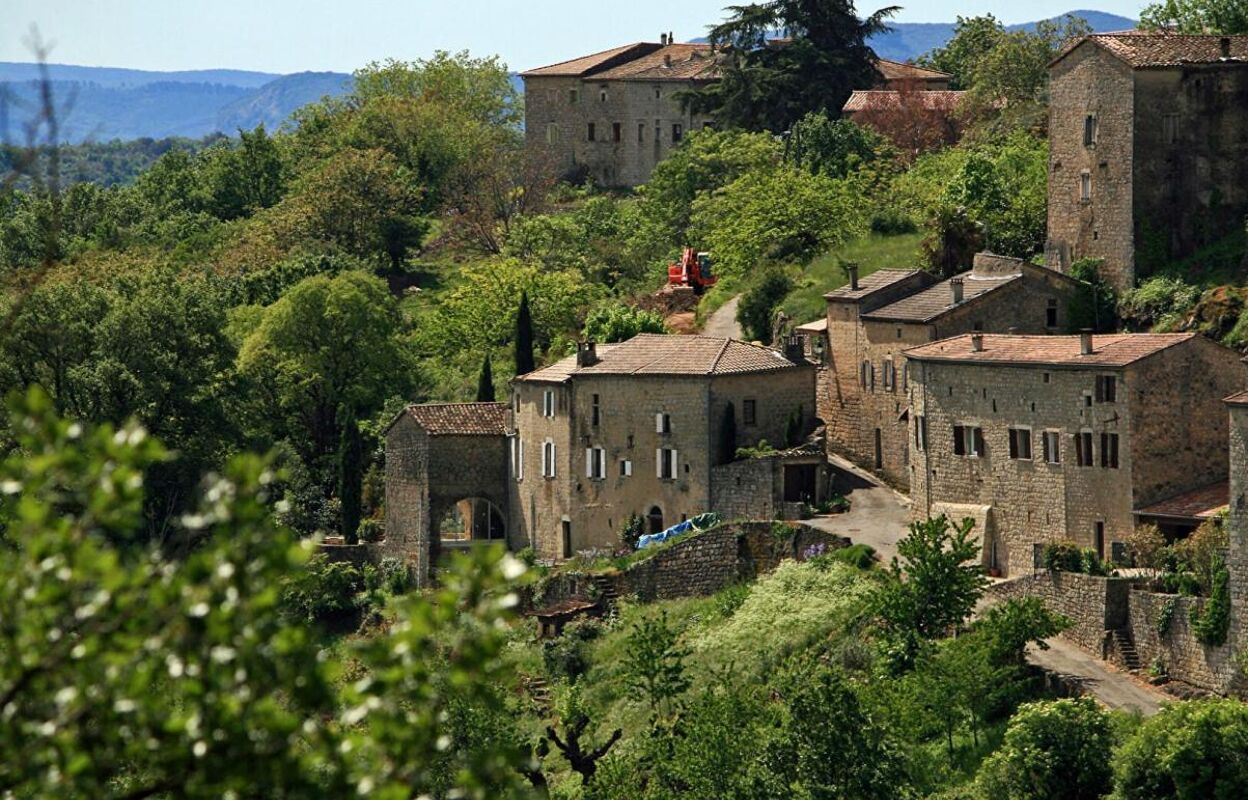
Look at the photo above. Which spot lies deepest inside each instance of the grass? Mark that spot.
(873, 252)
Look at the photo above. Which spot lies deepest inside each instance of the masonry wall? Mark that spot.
(1185, 659)
(776, 395)
(407, 495)
(1094, 605)
(1090, 81)
(746, 489)
(1237, 526)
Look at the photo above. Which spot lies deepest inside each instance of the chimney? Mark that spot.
(671, 38)
(852, 269)
(663, 39)
(667, 60)
(1085, 342)
(955, 286)
(977, 343)
(795, 349)
(586, 354)
(1226, 46)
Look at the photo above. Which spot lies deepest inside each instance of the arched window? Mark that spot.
(473, 519)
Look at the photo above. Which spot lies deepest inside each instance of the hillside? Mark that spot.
(273, 102)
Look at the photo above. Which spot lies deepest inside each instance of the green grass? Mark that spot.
(806, 303)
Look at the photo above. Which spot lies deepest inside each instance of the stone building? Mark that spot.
(618, 113)
(1148, 158)
(637, 428)
(863, 388)
(1053, 438)
(446, 481)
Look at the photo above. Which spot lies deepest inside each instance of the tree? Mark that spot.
(758, 304)
(485, 382)
(833, 147)
(1227, 17)
(242, 179)
(654, 665)
(524, 337)
(769, 85)
(619, 322)
(350, 475)
(582, 756)
(1058, 750)
(1188, 750)
(973, 38)
(954, 239)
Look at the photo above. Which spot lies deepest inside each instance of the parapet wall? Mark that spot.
(1094, 605)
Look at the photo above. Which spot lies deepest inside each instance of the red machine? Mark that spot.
(693, 271)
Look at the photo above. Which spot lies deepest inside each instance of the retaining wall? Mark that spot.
(1185, 659)
(1094, 605)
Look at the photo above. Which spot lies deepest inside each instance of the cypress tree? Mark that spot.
(728, 435)
(350, 476)
(525, 362)
(485, 382)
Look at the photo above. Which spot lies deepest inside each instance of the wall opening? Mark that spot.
(473, 519)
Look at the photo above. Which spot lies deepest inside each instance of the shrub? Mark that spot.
(1189, 750)
(890, 221)
(567, 657)
(859, 556)
(1211, 624)
(371, 530)
(1056, 750)
(758, 304)
(1063, 557)
(394, 576)
(1165, 615)
(324, 591)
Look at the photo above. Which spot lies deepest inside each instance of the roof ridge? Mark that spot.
(719, 356)
(619, 48)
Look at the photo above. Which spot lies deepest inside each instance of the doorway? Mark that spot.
(654, 519)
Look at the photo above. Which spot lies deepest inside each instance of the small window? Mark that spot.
(626, 468)
(548, 459)
(749, 411)
(1083, 448)
(968, 440)
(920, 432)
(1106, 389)
(890, 377)
(602, 95)
(590, 133)
(1089, 130)
(1020, 444)
(662, 423)
(574, 96)
(677, 133)
(1052, 447)
(595, 463)
(1050, 314)
(665, 459)
(517, 458)
(1109, 450)
(617, 132)
(552, 133)
(867, 376)
(595, 411)
(548, 403)
(641, 133)
(1085, 187)
(1170, 128)
(658, 93)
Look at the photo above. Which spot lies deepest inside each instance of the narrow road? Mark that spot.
(877, 515)
(1113, 688)
(723, 321)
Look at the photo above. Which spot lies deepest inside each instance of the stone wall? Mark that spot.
(1094, 605)
(355, 554)
(745, 489)
(1185, 659)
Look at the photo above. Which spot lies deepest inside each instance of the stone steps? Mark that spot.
(1126, 650)
(539, 691)
(607, 595)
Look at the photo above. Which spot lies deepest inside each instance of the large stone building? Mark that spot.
(1050, 438)
(863, 389)
(637, 429)
(618, 113)
(1148, 156)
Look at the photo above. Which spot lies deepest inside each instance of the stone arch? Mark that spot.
(470, 520)
(654, 520)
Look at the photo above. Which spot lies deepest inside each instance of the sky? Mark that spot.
(296, 35)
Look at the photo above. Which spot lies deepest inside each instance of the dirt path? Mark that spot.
(723, 322)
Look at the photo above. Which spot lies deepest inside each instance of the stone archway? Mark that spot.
(654, 520)
(470, 520)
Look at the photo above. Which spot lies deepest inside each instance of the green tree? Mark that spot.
(350, 475)
(973, 38)
(834, 147)
(757, 308)
(764, 86)
(1188, 750)
(1057, 750)
(1196, 16)
(654, 664)
(485, 382)
(244, 178)
(618, 322)
(524, 337)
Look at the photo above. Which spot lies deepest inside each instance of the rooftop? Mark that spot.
(880, 279)
(460, 419)
(897, 71)
(671, 62)
(586, 65)
(892, 100)
(1237, 399)
(1144, 49)
(818, 325)
(934, 301)
(1196, 505)
(662, 354)
(1108, 350)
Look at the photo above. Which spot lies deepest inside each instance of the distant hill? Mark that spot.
(273, 102)
(121, 77)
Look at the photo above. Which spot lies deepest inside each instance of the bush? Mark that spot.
(618, 322)
(394, 576)
(631, 531)
(890, 221)
(371, 530)
(324, 591)
(567, 657)
(1056, 750)
(858, 556)
(1213, 622)
(1063, 557)
(759, 302)
(1189, 750)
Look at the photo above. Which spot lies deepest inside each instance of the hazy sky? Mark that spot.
(295, 35)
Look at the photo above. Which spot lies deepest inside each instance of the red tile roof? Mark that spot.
(1198, 504)
(897, 71)
(587, 64)
(1108, 350)
(660, 354)
(673, 62)
(890, 100)
(460, 419)
(1144, 49)
(869, 284)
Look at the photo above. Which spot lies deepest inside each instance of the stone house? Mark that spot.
(636, 428)
(446, 481)
(1148, 158)
(1053, 438)
(618, 113)
(863, 387)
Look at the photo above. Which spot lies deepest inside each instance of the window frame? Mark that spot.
(596, 463)
(1052, 446)
(1106, 388)
(1085, 186)
(1090, 129)
(595, 410)
(663, 423)
(590, 132)
(678, 133)
(550, 455)
(1109, 450)
(1084, 455)
(548, 403)
(1021, 448)
(749, 411)
(667, 466)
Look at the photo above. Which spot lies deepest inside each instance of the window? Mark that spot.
(626, 468)
(590, 133)
(658, 93)
(1052, 447)
(920, 432)
(1109, 450)
(1099, 539)
(1020, 444)
(662, 423)
(1050, 314)
(866, 376)
(658, 131)
(641, 132)
(890, 376)
(595, 463)
(1083, 448)
(548, 459)
(602, 95)
(595, 411)
(677, 133)
(617, 132)
(968, 440)
(548, 403)
(574, 96)
(1170, 128)
(749, 411)
(1106, 389)
(665, 463)
(1085, 187)
(552, 132)
(905, 376)
(1089, 130)
(517, 457)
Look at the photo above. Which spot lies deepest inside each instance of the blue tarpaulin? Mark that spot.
(699, 523)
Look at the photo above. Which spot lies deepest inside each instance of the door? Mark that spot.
(567, 538)
(655, 520)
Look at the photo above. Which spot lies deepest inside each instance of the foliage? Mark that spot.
(524, 336)
(1201, 553)
(324, 591)
(1094, 306)
(762, 449)
(1161, 301)
(350, 475)
(619, 322)
(485, 382)
(1165, 615)
(631, 531)
(835, 147)
(973, 38)
(1147, 547)
(953, 241)
(756, 310)
(567, 657)
(1058, 750)
(1192, 749)
(1196, 16)
(1063, 557)
(1213, 622)
(655, 664)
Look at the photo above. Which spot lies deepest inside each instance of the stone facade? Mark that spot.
(1147, 158)
(1184, 658)
(869, 329)
(1095, 606)
(1165, 414)
(628, 420)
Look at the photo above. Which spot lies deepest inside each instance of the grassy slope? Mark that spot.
(824, 273)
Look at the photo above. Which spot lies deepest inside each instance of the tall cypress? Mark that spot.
(350, 476)
(525, 362)
(485, 382)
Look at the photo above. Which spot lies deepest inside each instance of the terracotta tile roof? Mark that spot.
(1237, 399)
(1198, 504)
(1108, 350)
(817, 326)
(890, 100)
(897, 71)
(936, 301)
(880, 279)
(661, 354)
(597, 61)
(672, 62)
(460, 419)
(1143, 49)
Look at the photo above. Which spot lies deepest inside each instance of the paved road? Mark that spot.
(723, 321)
(877, 515)
(1113, 688)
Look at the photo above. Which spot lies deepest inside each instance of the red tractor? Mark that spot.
(693, 272)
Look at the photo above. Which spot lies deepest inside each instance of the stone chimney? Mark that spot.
(795, 348)
(663, 39)
(1085, 342)
(955, 288)
(586, 354)
(852, 269)
(667, 60)
(671, 38)
(977, 343)
(1226, 46)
